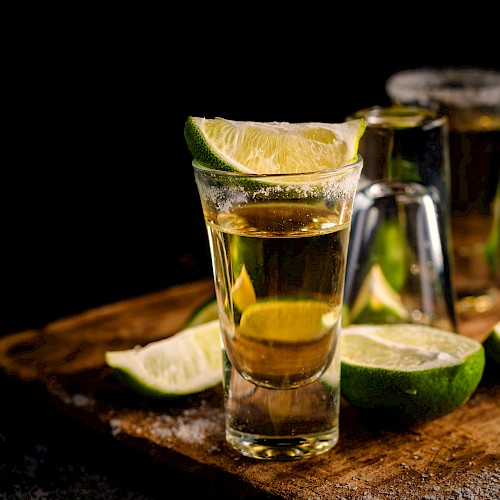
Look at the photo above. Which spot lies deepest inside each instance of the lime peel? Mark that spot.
(492, 345)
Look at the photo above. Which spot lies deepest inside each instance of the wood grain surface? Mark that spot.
(455, 456)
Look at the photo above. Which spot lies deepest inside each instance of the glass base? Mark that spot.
(283, 448)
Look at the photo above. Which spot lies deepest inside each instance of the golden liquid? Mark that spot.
(290, 252)
(475, 166)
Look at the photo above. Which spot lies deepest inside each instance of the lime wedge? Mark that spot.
(287, 320)
(186, 363)
(492, 345)
(208, 311)
(377, 302)
(243, 291)
(411, 372)
(272, 147)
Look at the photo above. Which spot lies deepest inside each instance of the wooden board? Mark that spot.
(456, 456)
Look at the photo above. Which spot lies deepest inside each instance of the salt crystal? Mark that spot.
(116, 426)
(192, 431)
(79, 400)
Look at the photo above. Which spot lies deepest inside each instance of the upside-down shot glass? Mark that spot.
(397, 257)
(279, 248)
(407, 147)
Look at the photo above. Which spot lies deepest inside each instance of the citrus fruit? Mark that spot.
(287, 320)
(492, 345)
(207, 311)
(272, 147)
(243, 291)
(377, 302)
(408, 373)
(186, 363)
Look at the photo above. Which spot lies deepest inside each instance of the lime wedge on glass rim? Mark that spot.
(408, 373)
(272, 147)
(186, 363)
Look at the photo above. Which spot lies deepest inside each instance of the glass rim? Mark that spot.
(399, 116)
(384, 187)
(442, 76)
(358, 162)
(461, 86)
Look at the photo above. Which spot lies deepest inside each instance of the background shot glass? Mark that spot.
(279, 247)
(396, 271)
(410, 144)
(470, 98)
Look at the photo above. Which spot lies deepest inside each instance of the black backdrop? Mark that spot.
(99, 202)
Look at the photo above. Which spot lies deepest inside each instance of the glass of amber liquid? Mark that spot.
(279, 247)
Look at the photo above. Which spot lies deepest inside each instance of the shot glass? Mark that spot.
(470, 98)
(279, 247)
(397, 269)
(410, 144)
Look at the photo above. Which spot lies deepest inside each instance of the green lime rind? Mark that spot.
(379, 316)
(187, 363)
(412, 395)
(440, 390)
(207, 311)
(200, 150)
(492, 346)
(129, 380)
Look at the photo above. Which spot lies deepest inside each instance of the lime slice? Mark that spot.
(377, 302)
(186, 363)
(492, 345)
(287, 320)
(208, 311)
(243, 291)
(272, 147)
(411, 372)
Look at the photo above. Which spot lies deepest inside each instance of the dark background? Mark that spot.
(98, 198)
